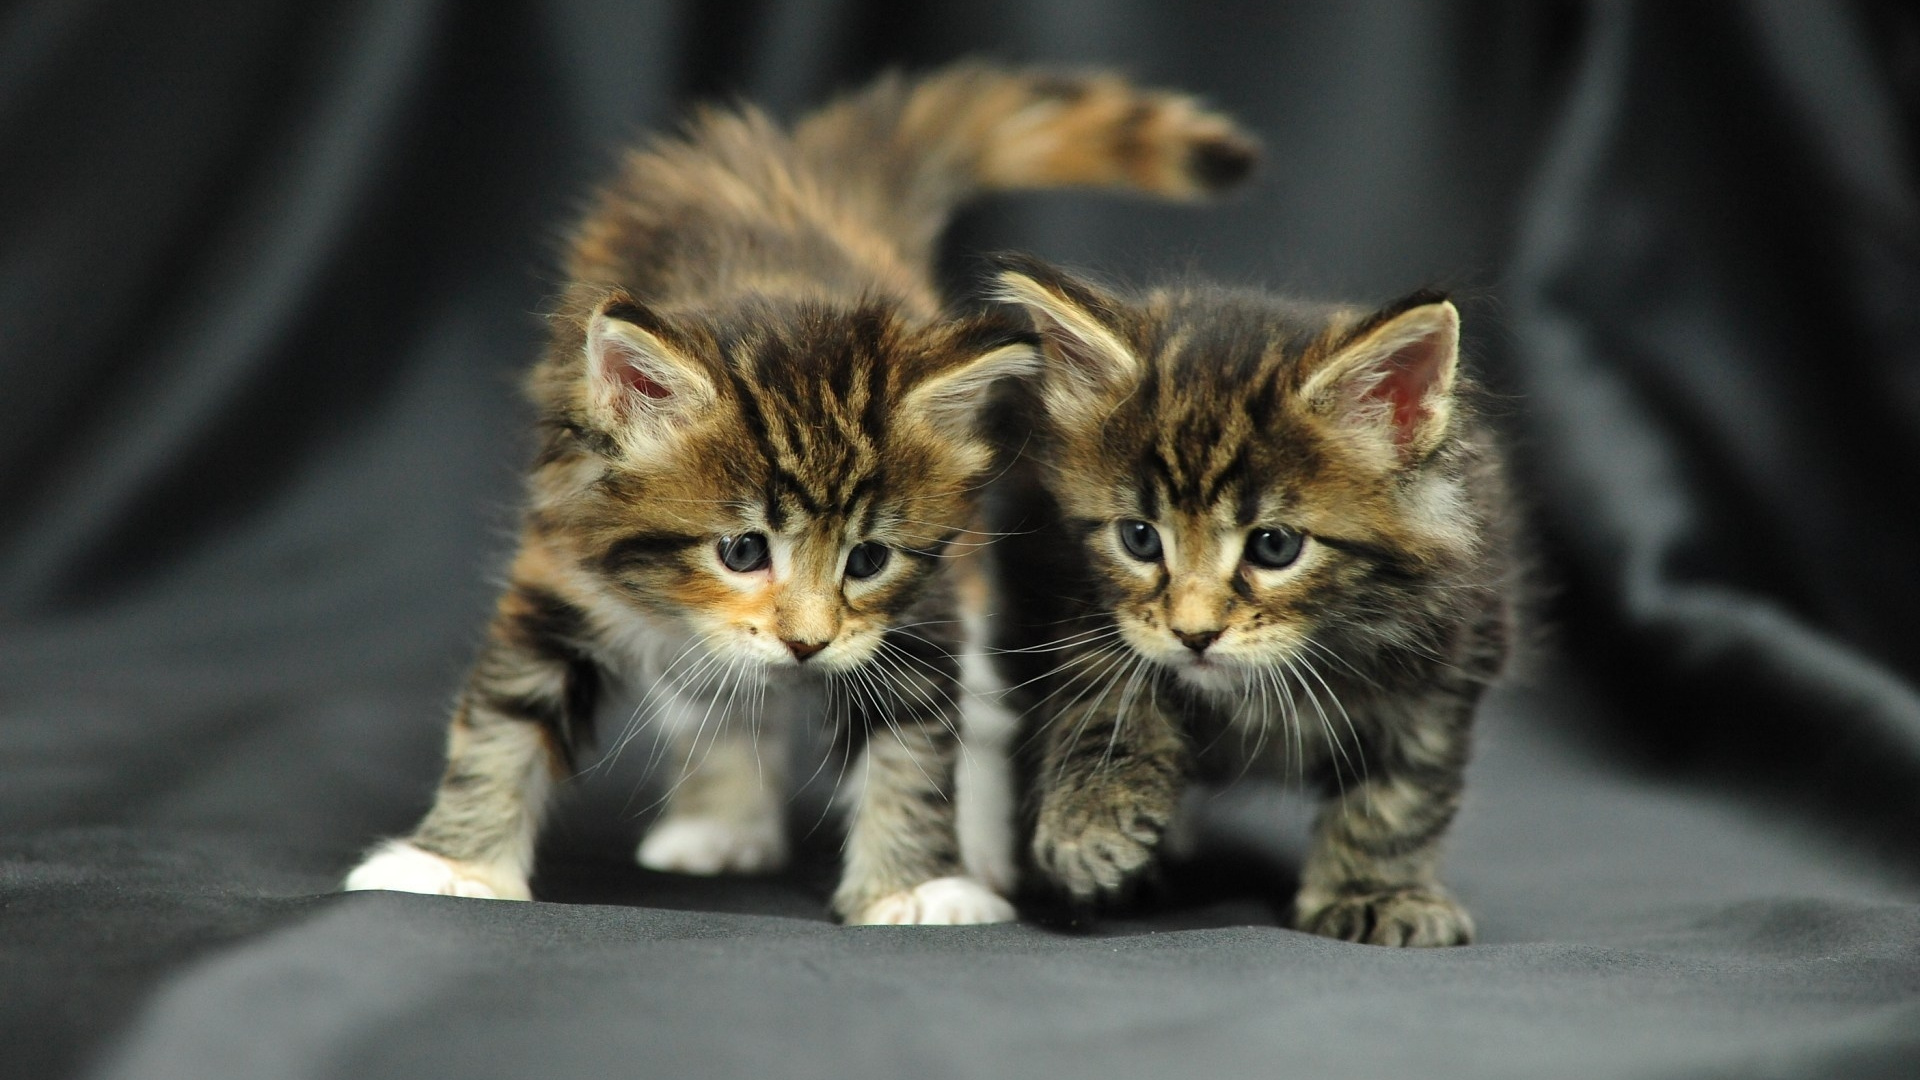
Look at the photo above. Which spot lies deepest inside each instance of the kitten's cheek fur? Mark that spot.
(947, 901)
(398, 866)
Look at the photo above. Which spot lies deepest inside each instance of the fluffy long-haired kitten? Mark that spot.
(1253, 534)
(758, 449)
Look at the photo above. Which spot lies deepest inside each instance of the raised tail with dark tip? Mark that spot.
(918, 148)
(861, 189)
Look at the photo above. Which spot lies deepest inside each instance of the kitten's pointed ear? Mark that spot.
(1087, 362)
(1394, 374)
(980, 351)
(640, 373)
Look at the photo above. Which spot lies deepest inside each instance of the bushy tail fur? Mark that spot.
(879, 172)
(915, 149)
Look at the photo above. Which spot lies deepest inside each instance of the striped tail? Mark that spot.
(864, 187)
(910, 151)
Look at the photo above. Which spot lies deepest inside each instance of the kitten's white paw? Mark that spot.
(701, 845)
(947, 901)
(400, 867)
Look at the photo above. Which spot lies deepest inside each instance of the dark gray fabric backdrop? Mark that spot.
(268, 272)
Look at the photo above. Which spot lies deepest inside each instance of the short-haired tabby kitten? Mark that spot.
(1254, 533)
(758, 441)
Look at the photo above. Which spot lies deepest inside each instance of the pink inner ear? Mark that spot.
(619, 364)
(1407, 377)
(637, 381)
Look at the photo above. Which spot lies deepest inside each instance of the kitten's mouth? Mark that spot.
(1210, 673)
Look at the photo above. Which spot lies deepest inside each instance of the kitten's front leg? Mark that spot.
(1370, 876)
(527, 702)
(903, 862)
(1109, 784)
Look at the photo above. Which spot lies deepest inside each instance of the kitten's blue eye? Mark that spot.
(1273, 548)
(1141, 540)
(745, 553)
(867, 559)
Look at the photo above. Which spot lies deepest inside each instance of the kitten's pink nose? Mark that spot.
(803, 649)
(1197, 640)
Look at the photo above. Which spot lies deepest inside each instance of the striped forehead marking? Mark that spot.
(796, 450)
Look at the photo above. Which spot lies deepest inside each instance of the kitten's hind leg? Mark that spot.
(1370, 876)
(725, 814)
(529, 698)
(983, 777)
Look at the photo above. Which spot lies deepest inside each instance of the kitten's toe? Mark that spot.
(398, 866)
(947, 901)
(1408, 917)
(707, 846)
(1097, 853)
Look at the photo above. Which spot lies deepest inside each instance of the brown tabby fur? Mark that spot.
(751, 342)
(1209, 414)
